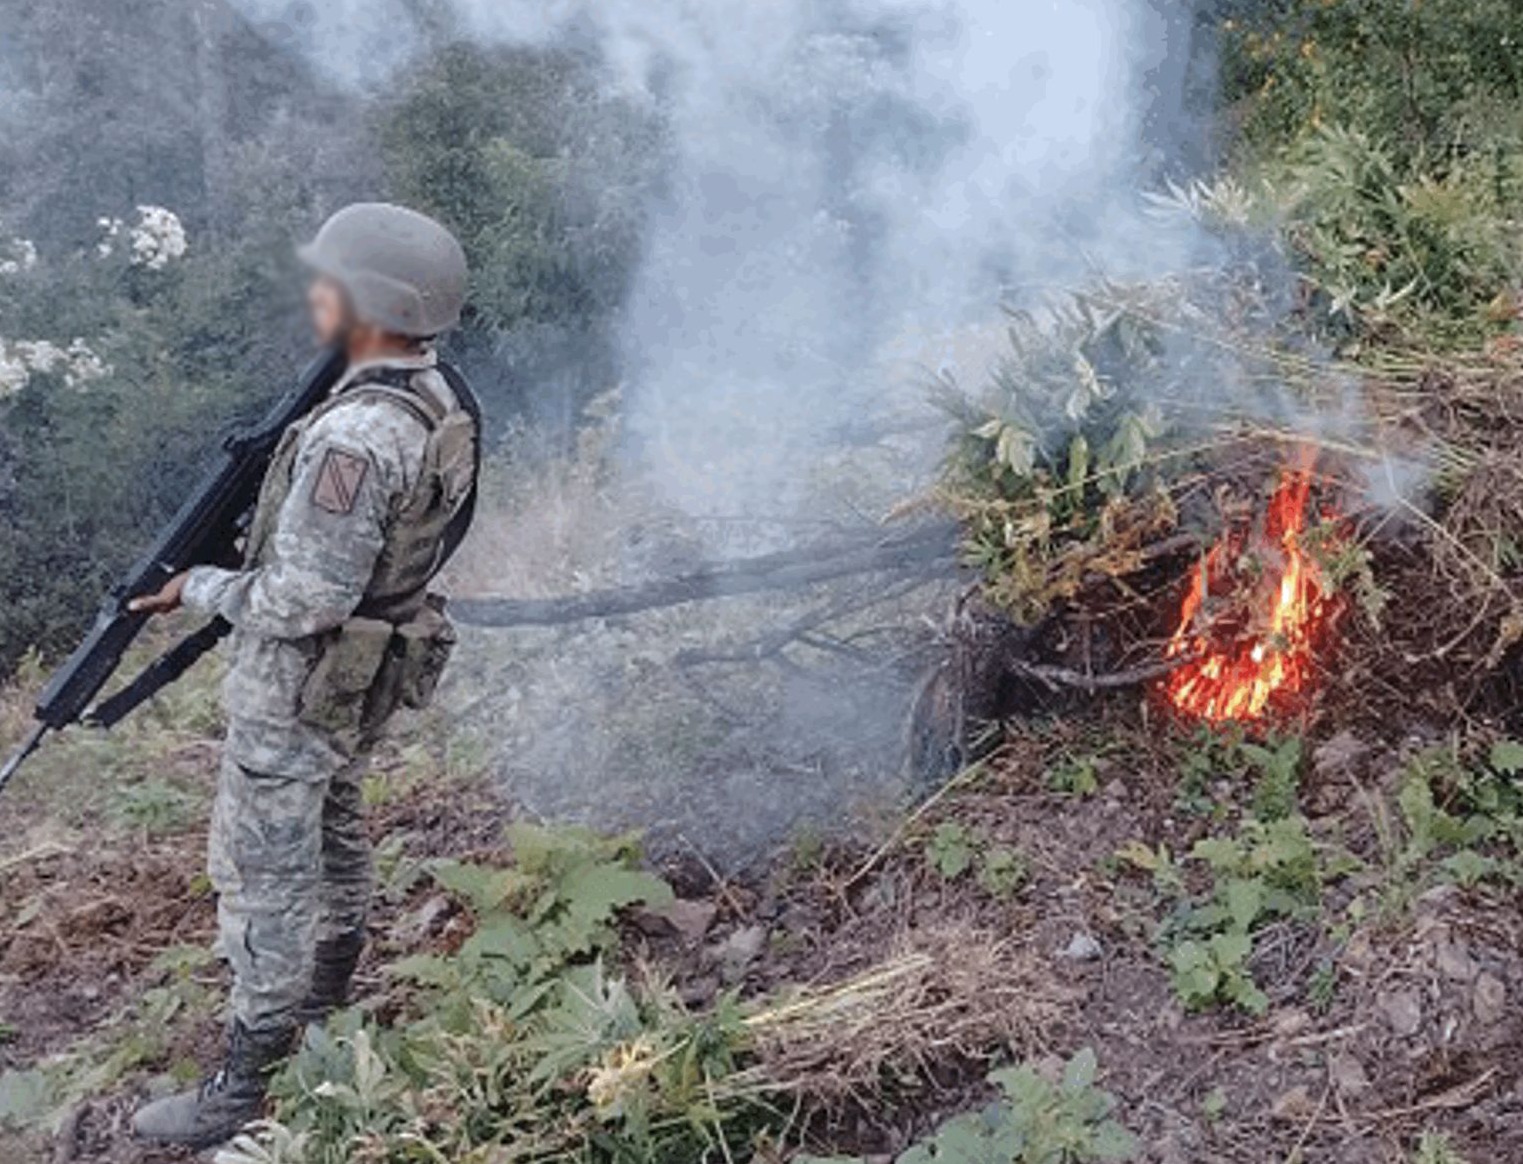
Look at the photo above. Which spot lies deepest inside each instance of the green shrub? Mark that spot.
(1035, 1121)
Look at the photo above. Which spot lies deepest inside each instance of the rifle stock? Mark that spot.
(205, 531)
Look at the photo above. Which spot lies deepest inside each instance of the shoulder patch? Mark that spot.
(338, 481)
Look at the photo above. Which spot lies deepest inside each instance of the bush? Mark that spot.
(1438, 78)
(1388, 137)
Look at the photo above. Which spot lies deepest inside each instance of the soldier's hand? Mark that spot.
(165, 601)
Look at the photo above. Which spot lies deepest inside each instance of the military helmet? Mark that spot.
(401, 269)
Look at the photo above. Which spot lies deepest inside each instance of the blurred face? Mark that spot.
(329, 309)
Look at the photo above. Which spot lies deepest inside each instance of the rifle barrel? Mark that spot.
(32, 743)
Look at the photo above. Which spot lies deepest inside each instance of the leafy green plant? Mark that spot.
(1002, 870)
(1269, 870)
(950, 850)
(1050, 465)
(953, 850)
(1075, 776)
(1436, 1148)
(1322, 989)
(155, 807)
(522, 1041)
(1279, 783)
(1035, 1121)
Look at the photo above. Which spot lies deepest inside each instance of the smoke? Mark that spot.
(856, 187)
(855, 183)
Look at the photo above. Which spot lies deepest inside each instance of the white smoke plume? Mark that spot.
(856, 181)
(856, 188)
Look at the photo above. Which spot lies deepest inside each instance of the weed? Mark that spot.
(1275, 796)
(523, 1042)
(1214, 1105)
(950, 850)
(953, 850)
(1270, 870)
(1075, 776)
(1435, 1148)
(1034, 1122)
(155, 807)
(1002, 871)
(1322, 989)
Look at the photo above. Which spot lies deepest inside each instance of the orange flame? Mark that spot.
(1245, 657)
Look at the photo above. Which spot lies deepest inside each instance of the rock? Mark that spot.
(1294, 1105)
(426, 921)
(1489, 1001)
(1358, 955)
(700, 992)
(688, 920)
(1289, 1023)
(1339, 755)
(1347, 1074)
(1082, 947)
(1403, 1011)
(736, 953)
(1438, 897)
(1454, 961)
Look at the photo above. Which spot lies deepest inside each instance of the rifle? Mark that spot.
(205, 531)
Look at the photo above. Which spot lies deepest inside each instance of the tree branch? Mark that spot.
(924, 550)
(1065, 677)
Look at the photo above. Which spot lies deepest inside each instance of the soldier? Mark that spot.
(333, 629)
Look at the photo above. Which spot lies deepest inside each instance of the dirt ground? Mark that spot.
(83, 932)
(1417, 1032)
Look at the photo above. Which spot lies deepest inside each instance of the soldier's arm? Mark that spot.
(327, 537)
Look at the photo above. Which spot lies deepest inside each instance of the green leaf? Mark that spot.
(424, 969)
(1244, 901)
(1078, 463)
(1113, 1142)
(26, 1097)
(1189, 955)
(482, 888)
(1218, 852)
(1231, 948)
(594, 894)
(1507, 757)
(950, 850)
(1081, 1070)
(502, 937)
(1469, 868)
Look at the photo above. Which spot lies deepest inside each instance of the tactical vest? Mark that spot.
(426, 526)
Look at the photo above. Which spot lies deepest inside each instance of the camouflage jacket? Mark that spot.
(325, 530)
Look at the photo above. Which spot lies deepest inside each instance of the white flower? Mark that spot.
(21, 255)
(84, 365)
(13, 372)
(110, 228)
(158, 238)
(40, 355)
(77, 364)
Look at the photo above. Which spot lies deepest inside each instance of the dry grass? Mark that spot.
(947, 992)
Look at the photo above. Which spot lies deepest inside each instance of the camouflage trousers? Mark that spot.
(290, 860)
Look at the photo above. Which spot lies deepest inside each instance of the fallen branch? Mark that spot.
(1065, 677)
(924, 550)
(806, 630)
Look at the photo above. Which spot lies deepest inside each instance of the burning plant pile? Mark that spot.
(1163, 493)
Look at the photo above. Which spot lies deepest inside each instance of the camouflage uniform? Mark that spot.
(289, 855)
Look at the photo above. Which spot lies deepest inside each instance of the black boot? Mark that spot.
(332, 972)
(214, 1113)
